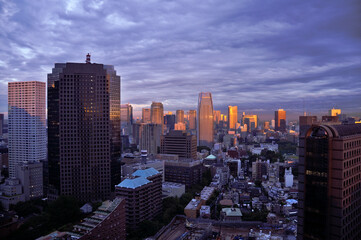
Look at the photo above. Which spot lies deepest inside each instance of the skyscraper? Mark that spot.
(217, 116)
(145, 115)
(150, 137)
(83, 130)
(157, 113)
(251, 121)
(180, 116)
(126, 118)
(192, 115)
(232, 116)
(205, 120)
(1, 124)
(280, 120)
(169, 121)
(27, 124)
(329, 182)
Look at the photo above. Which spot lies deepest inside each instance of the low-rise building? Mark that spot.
(231, 214)
(11, 192)
(171, 189)
(205, 211)
(192, 208)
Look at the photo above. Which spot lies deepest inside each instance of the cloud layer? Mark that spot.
(259, 55)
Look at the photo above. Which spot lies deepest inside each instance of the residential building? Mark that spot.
(84, 147)
(329, 182)
(143, 195)
(205, 120)
(180, 143)
(27, 123)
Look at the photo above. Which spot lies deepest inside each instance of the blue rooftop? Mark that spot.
(133, 183)
(145, 172)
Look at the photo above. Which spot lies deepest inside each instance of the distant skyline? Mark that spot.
(258, 55)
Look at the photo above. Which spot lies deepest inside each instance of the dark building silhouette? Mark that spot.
(180, 143)
(306, 122)
(84, 145)
(330, 183)
(169, 121)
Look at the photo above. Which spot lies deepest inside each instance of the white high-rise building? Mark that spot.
(27, 122)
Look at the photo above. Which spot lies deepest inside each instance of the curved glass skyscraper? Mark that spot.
(205, 120)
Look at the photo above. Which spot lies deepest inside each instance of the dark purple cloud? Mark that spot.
(259, 55)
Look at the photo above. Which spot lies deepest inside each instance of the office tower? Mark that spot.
(180, 116)
(169, 121)
(266, 126)
(1, 124)
(280, 120)
(157, 113)
(306, 122)
(192, 118)
(180, 143)
(126, 118)
(251, 121)
(334, 112)
(232, 116)
(150, 137)
(205, 120)
(329, 182)
(217, 116)
(83, 130)
(27, 124)
(145, 115)
(143, 196)
(30, 175)
(126, 113)
(180, 126)
(187, 172)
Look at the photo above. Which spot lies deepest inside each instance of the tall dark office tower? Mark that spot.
(180, 143)
(330, 183)
(180, 116)
(84, 145)
(280, 120)
(205, 120)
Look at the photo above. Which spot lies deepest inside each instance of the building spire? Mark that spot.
(88, 58)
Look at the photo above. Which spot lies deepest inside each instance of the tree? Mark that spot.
(64, 210)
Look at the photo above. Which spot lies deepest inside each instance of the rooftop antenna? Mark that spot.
(88, 58)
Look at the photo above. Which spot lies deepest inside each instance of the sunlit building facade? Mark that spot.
(251, 121)
(192, 118)
(334, 112)
(83, 130)
(280, 120)
(232, 116)
(180, 116)
(157, 113)
(27, 122)
(205, 121)
(217, 116)
(145, 115)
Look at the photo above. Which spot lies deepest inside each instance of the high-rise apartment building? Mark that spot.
(232, 116)
(145, 115)
(192, 118)
(180, 116)
(27, 122)
(83, 130)
(205, 120)
(280, 120)
(180, 143)
(334, 112)
(329, 183)
(143, 196)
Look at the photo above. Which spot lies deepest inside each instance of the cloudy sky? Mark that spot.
(258, 55)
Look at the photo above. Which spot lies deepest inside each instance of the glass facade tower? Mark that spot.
(205, 120)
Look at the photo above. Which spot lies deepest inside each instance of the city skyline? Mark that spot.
(303, 56)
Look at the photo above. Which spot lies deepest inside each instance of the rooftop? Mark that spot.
(211, 157)
(134, 182)
(232, 212)
(145, 172)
